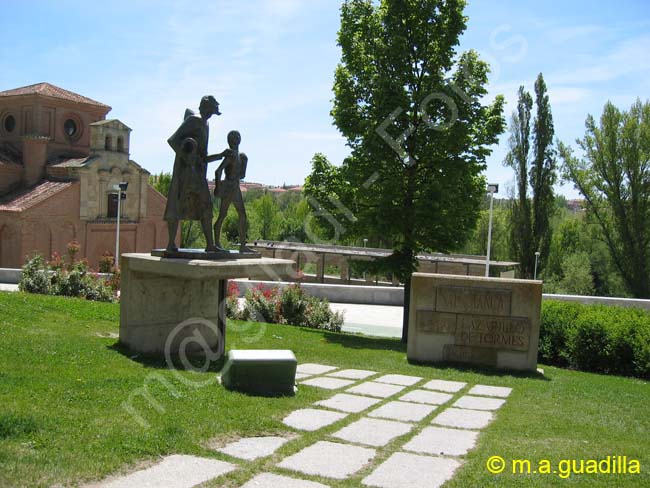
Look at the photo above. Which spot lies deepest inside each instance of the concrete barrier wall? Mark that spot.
(380, 295)
(10, 275)
(375, 295)
(13, 276)
(370, 295)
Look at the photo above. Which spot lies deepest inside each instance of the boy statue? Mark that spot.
(228, 191)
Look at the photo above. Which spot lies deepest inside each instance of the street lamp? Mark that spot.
(537, 254)
(492, 189)
(365, 241)
(121, 187)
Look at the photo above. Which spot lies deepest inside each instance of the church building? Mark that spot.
(60, 161)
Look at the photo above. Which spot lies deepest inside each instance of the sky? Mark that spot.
(270, 64)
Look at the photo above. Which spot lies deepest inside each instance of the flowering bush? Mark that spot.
(72, 279)
(290, 305)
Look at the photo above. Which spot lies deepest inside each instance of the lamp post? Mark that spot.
(365, 241)
(492, 189)
(537, 254)
(121, 187)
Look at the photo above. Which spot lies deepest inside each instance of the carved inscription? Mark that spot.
(509, 333)
(479, 301)
(469, 355)
(430, 322)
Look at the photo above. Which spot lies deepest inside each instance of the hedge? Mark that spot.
(599, 338)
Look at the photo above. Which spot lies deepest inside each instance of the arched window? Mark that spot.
(120, 144)
(108, 143)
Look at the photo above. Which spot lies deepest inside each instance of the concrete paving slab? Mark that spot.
(373, 432)
(404, 411)
(313, 368)
(327, 383)
(478, 403)
(269, 480)
(398, 379)
(329, 459)
(428, 397)
(349, 403)
(493, 391)
(176, 471)
(412, 471)
(441, 441)
(381, 390)
(352, 374)
(302, 376)
(251, 448)
(444, 385)
(311, 419)
(464, 419)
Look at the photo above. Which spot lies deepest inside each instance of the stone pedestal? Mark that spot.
(474, 320)
(177, 306)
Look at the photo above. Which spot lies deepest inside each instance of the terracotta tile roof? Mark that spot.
(48, 90)
(26, 198)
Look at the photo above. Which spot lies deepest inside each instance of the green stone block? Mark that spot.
(260, 372)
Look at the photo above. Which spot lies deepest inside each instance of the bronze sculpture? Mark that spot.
(189, 196)
(228, 191)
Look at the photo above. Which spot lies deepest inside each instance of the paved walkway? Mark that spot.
(374, 320)
(388, 430)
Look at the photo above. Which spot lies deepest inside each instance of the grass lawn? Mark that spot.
(63, 381)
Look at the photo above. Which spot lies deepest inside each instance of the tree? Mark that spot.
(614, 178)
(266, 213)
(412, 113)
(161, 182)
(531, 229)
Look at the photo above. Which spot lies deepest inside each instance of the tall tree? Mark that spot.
(543, 172)
(614, 178)
(530, 224)
(412, 113)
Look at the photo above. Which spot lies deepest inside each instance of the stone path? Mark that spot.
(388, 430)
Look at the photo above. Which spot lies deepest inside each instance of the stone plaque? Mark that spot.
(469, 355)
(507, 333)
(492, 322)
(471, 300)
(430, 322)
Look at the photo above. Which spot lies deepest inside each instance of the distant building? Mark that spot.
(576, 205)
(59, 162)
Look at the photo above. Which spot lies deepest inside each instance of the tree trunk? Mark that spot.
(405, 316)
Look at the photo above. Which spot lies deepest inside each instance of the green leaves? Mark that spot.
(614, 178)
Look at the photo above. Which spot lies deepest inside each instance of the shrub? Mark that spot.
(596, 338)
(291, 306)
(36, 278)
(73, 279)
(232, 301)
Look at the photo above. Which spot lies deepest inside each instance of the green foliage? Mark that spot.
(614, 178)
(411, 109)
(598, 338)
(500, 247)
(531, 230)
(161, 182)
(266, 214)
(35, 277)
(579, 262)
(71, 280)
(289, 305)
